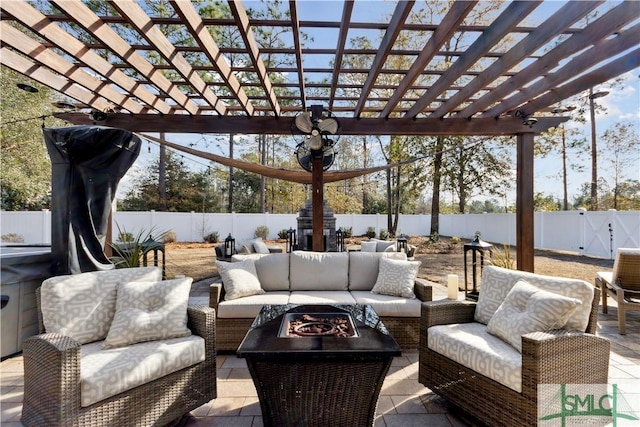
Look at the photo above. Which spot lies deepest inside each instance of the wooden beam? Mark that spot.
(454, 17)
(342, 40)
(101, 31)
(201, 35)
(295, 29)
(317, 204)
(242, 20)
(507, 20)
(139, 20)
(282, 125)
(609, 23)
(31, 18)
(524, 203)
(403, 8)
(548, 29)
(37, 52)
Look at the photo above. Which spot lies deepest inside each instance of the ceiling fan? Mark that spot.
(316, 126)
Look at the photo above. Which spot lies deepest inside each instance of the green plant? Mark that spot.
(262, 231)
(348, 231)
(283, 234)
(502, 257)
(213, 237)
(456, 240)
(371, 232)
(434, 237)
(128, 254)
(384, 234)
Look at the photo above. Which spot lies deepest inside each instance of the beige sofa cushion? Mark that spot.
(387, 305)
(321, 297)
(107, 372)
(249, 307)
(272, 269)
(82, 306)
(496, 283)
(471, 345)
(363, 268)
(312, 271)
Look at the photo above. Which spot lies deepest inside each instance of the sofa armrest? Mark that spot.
(216, 292)
(52, 374)
(202, 322)
(423, 290)
(563, 357)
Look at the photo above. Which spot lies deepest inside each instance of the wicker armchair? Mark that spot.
(622, 284)
(555, 357)
(52, 390)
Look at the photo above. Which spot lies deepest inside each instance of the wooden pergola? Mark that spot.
(125, 61)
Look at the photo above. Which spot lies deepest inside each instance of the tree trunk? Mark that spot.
(262, 142)
(162, 176)
(437, 176)
(565, 200)
(394, 227)
(365, 178)
(389, 197)
(230, 201)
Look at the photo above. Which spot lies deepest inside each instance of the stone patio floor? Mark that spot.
(403, 401)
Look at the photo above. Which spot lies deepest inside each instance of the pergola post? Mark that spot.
(524, 203)
(317, 200)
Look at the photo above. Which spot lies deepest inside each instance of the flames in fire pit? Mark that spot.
(318, 325)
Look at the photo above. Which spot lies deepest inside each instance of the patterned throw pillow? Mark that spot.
(240, 279)
(82, 306)
(396, 277)
(149, 311)
(528, 308)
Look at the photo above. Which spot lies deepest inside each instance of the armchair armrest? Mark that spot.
(202, 322)
(423, 290)
(443, 312)
(215, 293)
(52, 375)
(563, 357)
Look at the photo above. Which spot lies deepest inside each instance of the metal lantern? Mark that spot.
(340, 240)
(292, 240)
(229, 246)
(401, 244)
(476, 246)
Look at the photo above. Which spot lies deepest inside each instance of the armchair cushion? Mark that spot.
(368, 246)
(327, 271)
(82, 306)
(364, 266)
(530, 309)
(149, 311)
(107, 372)
(471, 345)
(396, 277)
(496, 283)
(240, 279)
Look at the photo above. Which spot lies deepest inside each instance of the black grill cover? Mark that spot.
(87, 163)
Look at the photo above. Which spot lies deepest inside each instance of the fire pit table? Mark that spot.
(318, 365)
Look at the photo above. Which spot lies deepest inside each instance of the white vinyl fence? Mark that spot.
(596, 234)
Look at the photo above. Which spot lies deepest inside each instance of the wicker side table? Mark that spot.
(318, 381)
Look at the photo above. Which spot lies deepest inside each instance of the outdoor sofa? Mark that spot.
(302, 277)
(526, 330)
(118, 348)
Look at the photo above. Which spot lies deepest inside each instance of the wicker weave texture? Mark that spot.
(318, 394)
(52, 385)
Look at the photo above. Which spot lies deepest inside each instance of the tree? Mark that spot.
(186, 190)
(25, 175)
(622, 153)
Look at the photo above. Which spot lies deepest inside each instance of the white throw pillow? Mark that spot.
(260, 247)
(396, 277)
(240, 279)
(149, 311)
(368, 246)
(528, 308)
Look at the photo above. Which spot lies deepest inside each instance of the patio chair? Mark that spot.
(75, 376)
(623, 284)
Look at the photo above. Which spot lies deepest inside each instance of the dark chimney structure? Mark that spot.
(305, 229)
